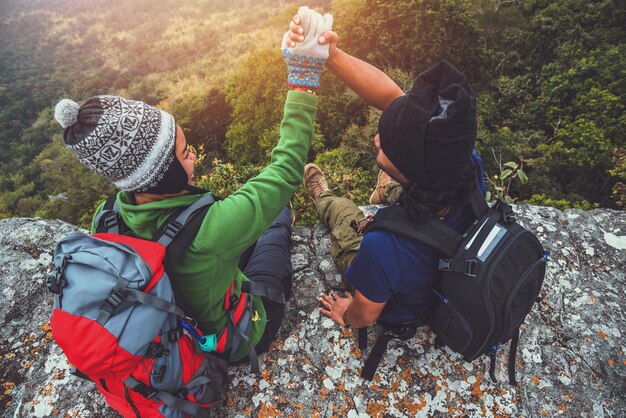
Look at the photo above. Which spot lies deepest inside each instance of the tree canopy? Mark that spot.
(549, 78)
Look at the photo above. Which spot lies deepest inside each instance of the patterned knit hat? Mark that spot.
(129, 142)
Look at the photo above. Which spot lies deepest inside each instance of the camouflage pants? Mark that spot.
(337, 213)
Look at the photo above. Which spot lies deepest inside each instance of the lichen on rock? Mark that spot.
(571, 359)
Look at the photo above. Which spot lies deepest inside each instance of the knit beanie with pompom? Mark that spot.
(129, 142)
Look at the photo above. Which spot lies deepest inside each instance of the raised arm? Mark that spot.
(370, 83)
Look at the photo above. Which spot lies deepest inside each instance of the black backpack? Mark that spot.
(489, 279)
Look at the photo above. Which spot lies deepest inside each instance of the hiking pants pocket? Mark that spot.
(345, 245)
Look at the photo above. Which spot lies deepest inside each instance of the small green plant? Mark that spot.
(499, 185)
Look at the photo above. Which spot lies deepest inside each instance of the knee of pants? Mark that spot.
(283, 218)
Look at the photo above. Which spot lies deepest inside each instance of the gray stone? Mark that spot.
(571, 359)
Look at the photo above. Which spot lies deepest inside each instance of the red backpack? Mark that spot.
(116, 319)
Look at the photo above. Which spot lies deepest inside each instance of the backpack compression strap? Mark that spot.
(193, 409)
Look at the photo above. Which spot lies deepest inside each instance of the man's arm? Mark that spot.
(368, 82)
(357, 311)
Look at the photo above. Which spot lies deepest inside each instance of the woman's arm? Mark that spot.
(367, 81)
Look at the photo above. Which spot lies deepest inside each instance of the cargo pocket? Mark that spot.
(345, 244)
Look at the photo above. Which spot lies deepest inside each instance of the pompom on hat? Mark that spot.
(66, 112)
(129, 142)
(429, 133)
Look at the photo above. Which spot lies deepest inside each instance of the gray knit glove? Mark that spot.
(306, 60)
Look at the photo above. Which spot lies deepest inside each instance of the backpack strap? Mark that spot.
(513, 356)
(109, 219)
(477, 201)
(180, 229)
(401, 332)
(432, 232)
(123, 297)
(263, 290)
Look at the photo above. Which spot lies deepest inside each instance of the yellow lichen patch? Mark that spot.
(354, 351)
(405, 405)
(393, 389)
(375, 409)
(45, 327)
(592, 299)
(476, 391)
(27, 366)
(610, 362)
(269, 411)
(562, 407)
(602, 335)
(407, 375)
(544, 413)
(536, 380)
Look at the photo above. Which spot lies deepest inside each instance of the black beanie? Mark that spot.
(429, 133)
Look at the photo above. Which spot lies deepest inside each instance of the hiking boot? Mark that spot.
(378, 195)
(314, 181)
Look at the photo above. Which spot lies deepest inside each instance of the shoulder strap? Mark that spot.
(177, 233)
(108, 220)
(431, 232)
(479, 205)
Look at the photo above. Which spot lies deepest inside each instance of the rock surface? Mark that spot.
(571, 359)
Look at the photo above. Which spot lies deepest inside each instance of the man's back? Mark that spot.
(391, 268)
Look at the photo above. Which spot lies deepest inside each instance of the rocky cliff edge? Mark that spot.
(571, 359)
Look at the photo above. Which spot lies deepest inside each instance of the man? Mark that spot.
(244, 237)
(428, 167)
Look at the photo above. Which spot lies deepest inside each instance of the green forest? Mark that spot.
(550, 79)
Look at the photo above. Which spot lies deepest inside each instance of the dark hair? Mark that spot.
(423, 202)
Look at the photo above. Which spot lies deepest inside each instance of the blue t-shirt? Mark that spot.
(393, 269)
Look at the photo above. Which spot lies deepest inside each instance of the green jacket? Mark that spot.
(231, 225)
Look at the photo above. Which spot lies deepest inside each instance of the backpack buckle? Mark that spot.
(471, 268)
(156, 350)
(110, 220)
(114, 300)
(56, 282)
(446, 264)
(508, 216)
(172, 229)
(145, 391)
